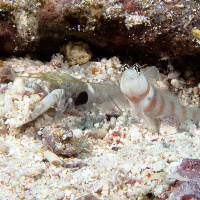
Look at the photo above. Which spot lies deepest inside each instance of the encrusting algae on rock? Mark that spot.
(196, 33)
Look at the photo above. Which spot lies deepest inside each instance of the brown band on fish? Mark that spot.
(152, 104)
(137, 100)
(146, 93)
(161, 107)
(172, 108)
(184, 113)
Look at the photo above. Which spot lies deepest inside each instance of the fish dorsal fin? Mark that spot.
(170, 96)
(151, 74)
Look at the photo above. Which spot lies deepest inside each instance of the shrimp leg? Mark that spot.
(62, 106)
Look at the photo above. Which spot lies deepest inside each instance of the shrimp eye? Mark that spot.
(136, 67)
(81, 99)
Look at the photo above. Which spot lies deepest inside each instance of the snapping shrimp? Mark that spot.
(69, 93)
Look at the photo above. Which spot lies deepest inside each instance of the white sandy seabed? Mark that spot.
(121, 161)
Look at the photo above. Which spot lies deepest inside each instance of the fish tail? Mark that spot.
(188, 112)
(184, 112)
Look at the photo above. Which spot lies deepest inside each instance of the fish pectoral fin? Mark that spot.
(151, 123)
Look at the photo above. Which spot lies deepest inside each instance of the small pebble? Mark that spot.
(176, 83)
(68, 193)
(32, 171)
(109, 64)
(123, 118)
(106, 126)
(87, 197)
(35, 98)
(19, 85)
(103, 61)
(96, 125)
(112, 121)
(77, 133)
(115, 148)
(99, 133)
(76, 52)
(190, 90)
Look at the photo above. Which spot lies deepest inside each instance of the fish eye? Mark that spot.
(136, 67)
(125, 67)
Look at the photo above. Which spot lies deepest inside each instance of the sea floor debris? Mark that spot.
(81, 153)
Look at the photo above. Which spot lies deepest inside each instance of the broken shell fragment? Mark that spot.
(52, 158)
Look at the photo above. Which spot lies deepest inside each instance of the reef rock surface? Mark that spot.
(114, 26)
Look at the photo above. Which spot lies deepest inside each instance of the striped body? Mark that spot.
(150, 101)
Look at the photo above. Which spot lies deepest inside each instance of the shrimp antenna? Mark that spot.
(55, 77)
